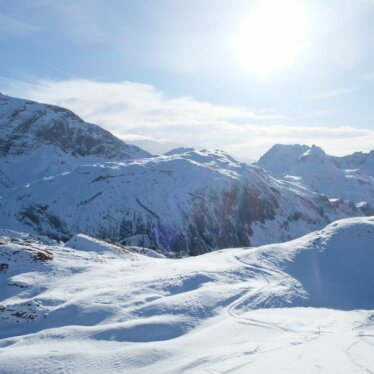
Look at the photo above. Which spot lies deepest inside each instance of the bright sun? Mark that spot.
(271, 36)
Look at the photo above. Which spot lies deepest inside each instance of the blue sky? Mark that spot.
(167, 69)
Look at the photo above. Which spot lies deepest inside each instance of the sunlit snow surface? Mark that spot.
(301, 306)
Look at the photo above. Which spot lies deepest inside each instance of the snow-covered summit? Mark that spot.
(280, 157)
(313, 152)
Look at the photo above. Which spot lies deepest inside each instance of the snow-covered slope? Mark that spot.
(187, 203)
(349, 177)
(241, 310)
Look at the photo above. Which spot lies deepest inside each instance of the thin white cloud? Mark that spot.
(330, 94)
(79, 22)
(83, 22)
(12, 26)
(136, 109)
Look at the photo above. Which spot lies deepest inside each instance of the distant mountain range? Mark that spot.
(60, 176)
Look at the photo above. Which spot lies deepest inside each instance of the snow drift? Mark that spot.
(233, 309)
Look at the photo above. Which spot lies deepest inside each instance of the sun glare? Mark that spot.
(271, 36)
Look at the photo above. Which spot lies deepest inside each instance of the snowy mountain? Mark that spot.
(37, 140)
(61, 176)
(305, 305)
(187, 203)
(349, 177)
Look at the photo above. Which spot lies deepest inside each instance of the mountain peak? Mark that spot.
(314, 151)
(280, 157)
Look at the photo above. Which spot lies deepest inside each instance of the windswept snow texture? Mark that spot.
(302, 306)
(349, 177)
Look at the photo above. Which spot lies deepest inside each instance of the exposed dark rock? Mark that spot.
(44, 222)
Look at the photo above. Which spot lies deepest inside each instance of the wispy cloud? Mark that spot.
(78, 22)
(137, 109)
(81, 22)
(330, 94)
(12, 26)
